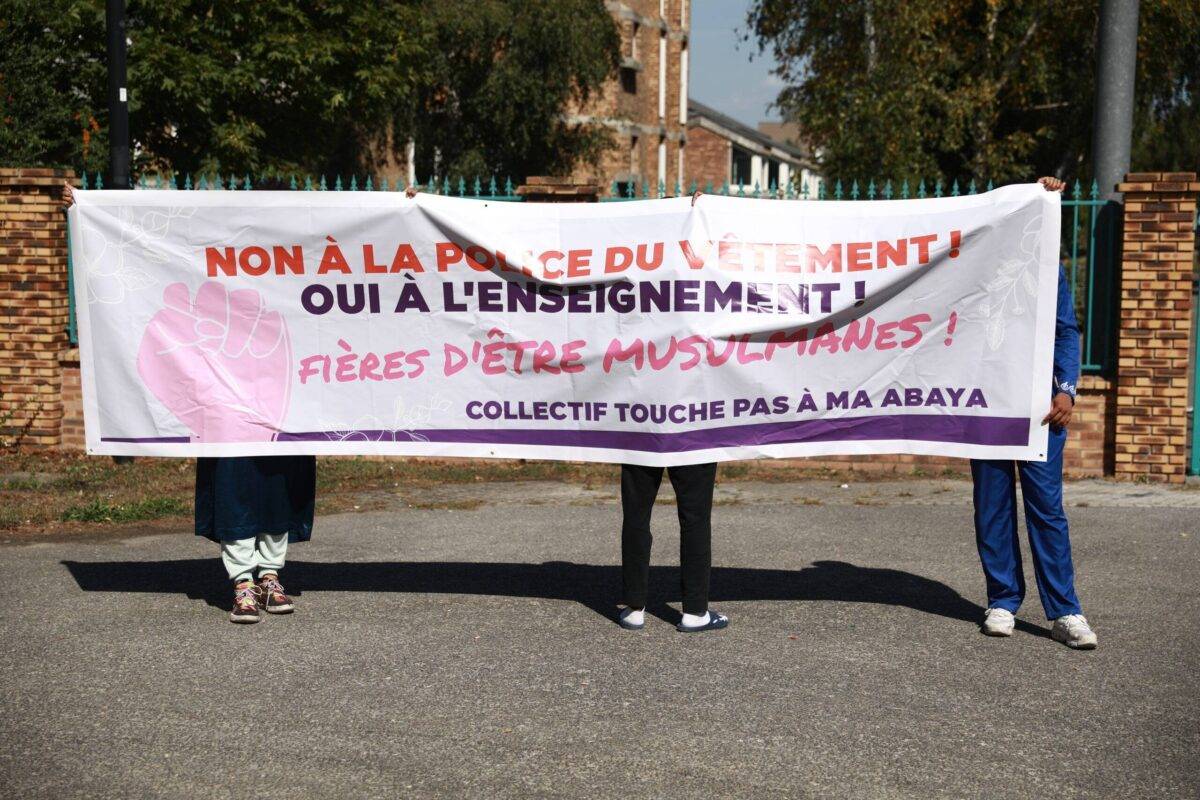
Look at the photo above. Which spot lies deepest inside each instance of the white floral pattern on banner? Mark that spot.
(113, 269)
(1014, 289)
(405, 423)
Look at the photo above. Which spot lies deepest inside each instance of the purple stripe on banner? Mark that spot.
(147, 439)
(995, 431)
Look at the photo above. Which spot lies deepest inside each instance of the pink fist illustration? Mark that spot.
(222, 365)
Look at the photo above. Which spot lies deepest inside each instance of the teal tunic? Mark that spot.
(237, 498)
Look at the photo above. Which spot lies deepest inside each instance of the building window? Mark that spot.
(629, 80)
(633, 41)
(741, 167)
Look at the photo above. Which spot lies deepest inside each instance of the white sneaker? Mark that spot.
(998, 622)
(1073, 631)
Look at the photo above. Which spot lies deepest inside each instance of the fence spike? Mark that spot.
(369, 185)
(1095, 190)
(708, 187)
(971, 187)
(353, 183)
(937, 188)
(904, 192)
(446, 186)
(820, 189)
(508, 187)
(954, 189)
(887, 189)
(383, 184)
(203, 184)
(247, 185)
(854, 190)
(990, 186)
(837, 190)
(921, 189)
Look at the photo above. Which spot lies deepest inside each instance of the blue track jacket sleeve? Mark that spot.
(1066, 340)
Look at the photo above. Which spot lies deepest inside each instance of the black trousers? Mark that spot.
(694, 496)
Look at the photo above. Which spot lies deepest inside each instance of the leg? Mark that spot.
(639, 488)
(694, 495)
(240, 559)
(996, 533)
(1049, 540)
(272, 552)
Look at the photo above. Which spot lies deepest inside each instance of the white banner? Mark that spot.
(256, 323)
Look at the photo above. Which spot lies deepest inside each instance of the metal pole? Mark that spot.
(1116, 71)
(118, 97)
(118, 111)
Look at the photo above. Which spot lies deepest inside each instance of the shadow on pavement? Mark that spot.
(593, 585)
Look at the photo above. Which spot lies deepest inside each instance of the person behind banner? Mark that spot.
(995, 496)
(253, 507)
(694, 485)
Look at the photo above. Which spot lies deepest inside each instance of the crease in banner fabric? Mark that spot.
(648, 332)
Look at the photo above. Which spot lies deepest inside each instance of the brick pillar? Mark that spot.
(543, 189)
(1155, 325)
(33, 305)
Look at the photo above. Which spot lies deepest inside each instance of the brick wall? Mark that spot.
(1154, 338)
(633, 117)
(72, 398)
(33, 304)
(708, 157)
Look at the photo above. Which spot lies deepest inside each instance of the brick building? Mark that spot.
(645, 105)
(722, 150)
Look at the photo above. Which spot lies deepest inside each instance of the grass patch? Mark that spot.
(150, 508)
(54, 491)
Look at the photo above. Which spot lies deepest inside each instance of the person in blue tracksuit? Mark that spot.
(1041, 489)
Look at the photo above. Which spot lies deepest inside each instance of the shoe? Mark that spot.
(245, 603)
(271, 595)
(1073, 631)
(624, 622)
(998, 622)
(715, 623)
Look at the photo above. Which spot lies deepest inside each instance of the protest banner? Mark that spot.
(255, 323)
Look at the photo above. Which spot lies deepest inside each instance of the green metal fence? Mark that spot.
(1087, 253)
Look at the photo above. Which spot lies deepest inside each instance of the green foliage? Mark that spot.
(504, 73)
(52, 84)
(281, 86)
(997, 89)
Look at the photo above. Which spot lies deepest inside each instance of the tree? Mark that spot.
(995, 89)
(283, 86)
(504, 73)
(52, 83)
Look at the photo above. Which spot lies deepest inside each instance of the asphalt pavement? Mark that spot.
(460, 644)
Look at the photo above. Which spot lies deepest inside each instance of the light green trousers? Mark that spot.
(245, 558)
